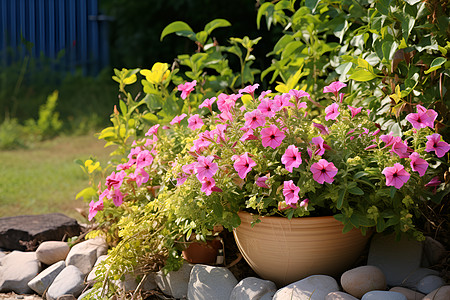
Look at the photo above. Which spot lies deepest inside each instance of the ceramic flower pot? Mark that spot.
(285, 251)
(202, 253)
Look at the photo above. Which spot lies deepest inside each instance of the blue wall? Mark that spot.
(72, 33)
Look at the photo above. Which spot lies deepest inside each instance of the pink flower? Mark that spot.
(390, 139)
(181, 179)
(422, 118)
(186, 88)
(250, 89)
(144, 159)
(291, 158)
(153, 130)
(435, 144)
(371, 147)
(243, 165)
(264, 94)
(297, 94)
(341, 97)
(248, 135)
(418, 164)
(354, 111)
(178, 119)
(396, 176)
(189, 168)
(140, 176)
(323, 129)
(226, 116)
(334, 88)
(434, 182)
(208, 103)
(290, 192)
(283, 100)
(319, 145)
(254, 119)
(331, 111)
(195, 122)
(94, 207)
(323, 171)
(205, 167)
(272, 136)
(209, 186)
(115, 179)
(261, 182)
(267, 108)
(226, 102)
(304, 203)
(401, 149)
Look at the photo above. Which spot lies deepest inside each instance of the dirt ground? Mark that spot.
(11, 296)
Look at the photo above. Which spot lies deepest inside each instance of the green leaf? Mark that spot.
(436, 64)
(201, 37)
(392, 192)
(216, 24)
(347, 227)
(356, 191)
(341, 197)
(266, 9)
(88, 193)
(381, 225)
(360, 174)
(312, 4)
(407, 26)
(176, 27)
(123, 107)
(362, 75)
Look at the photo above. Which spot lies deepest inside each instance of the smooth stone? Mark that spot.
(91, 294)
(409, 294)
(396, 259)
(85, 254)
(383, 295)
(2, 254)
(252, 288)
(416, 276)
(442, 293)
(361, 280)
(69, 281)
(28, 228)
(44, 279)
(67, 297)
(91, 279)
(131, 282)
(51, 252)
(16, 270)
(208, 282)
(175, 283)
(433, 252)
(339, 296)
(315, 287)
(268, 296)
(430, 283)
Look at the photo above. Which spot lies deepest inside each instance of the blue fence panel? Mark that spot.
(69, 32)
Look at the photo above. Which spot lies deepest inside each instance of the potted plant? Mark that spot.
(279, 156)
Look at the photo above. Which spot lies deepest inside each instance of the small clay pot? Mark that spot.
(202, 253)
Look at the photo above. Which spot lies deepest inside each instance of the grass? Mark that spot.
(45, 178)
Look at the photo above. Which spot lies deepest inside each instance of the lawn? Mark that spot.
(45, 178)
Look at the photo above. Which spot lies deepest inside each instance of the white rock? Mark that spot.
(268, 296)
(208, 282)
(416, 276)
(91, 279)
(67, 297)
(397, 259)
(85, 254)
(361, 280)
(175, 283)
(442, 293)
(315, 287)
(2, 254)
(16, 270)
(430, 283)
(409, 294)
(50, 252)
(433, 252)
(68, 281)
(132, 281)
(339, 296)
(252, 288)
(44, 279)
(383, 295)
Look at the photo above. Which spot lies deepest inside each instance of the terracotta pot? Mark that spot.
(202, 253)
(285, 251)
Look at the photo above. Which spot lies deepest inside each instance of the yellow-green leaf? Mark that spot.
(362, 75)
(87, 193)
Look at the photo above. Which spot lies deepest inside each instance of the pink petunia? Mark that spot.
(115, 179)
(95, 207)
(323, 129)
(290, 192)
(272, 136)
(283, 100)
(396, 176)
(332, 111)
(140, 176)
(297, 94)
(248, 135)
(261, 182)
(401, 149)
(144, 159)
(318, 145)
(205, 167)
(435, 144)
(254, 119)
(178, 119)
(153, 130)
(181, 179)
(195, 122)
(291, 158)
(209, 186)
(323, 171)
(208, 103)
(304, 203)
(434, 182)
(418, 164)
(226, 102)
(186, 88)
(268, 108)
(243, 164)
(390, 139)
(264, 94)
(354, 111)
(423, 118)
(334, 88)
(250, 89)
